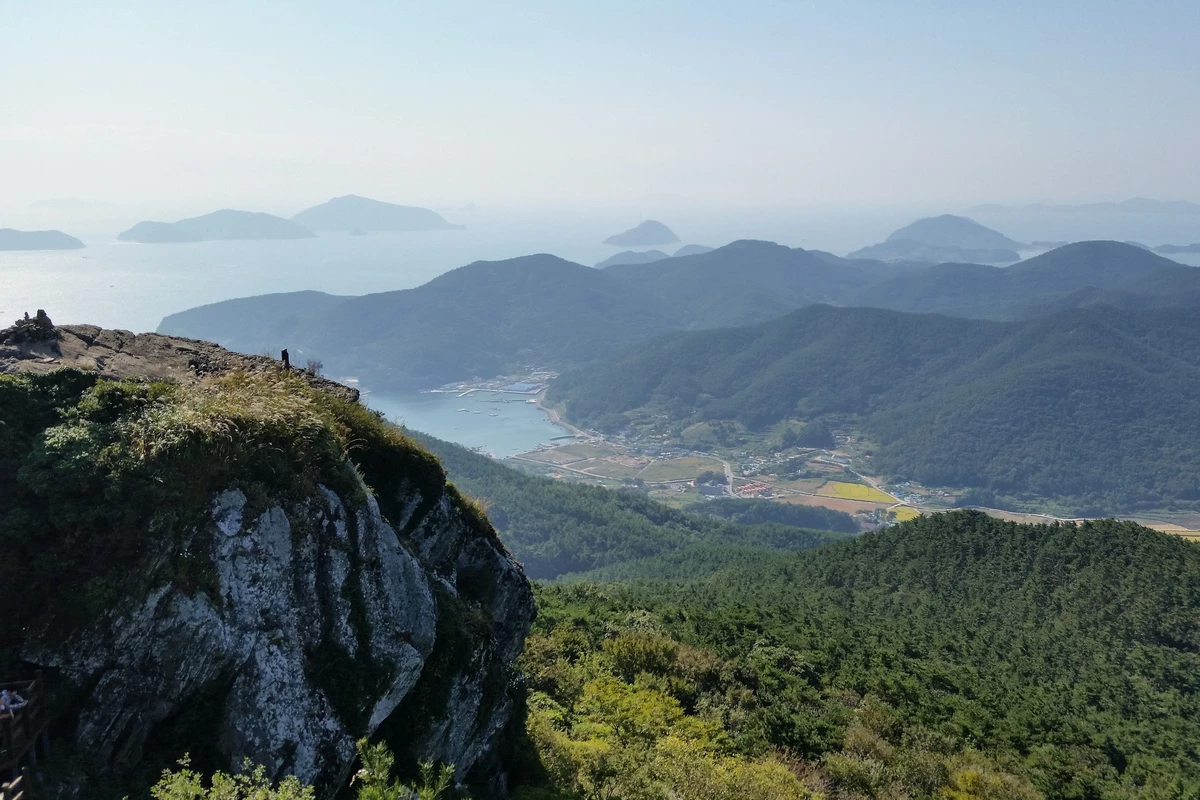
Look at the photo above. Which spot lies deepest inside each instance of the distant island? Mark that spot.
(692, 250)
(646, 234)
(217, 226)
(633, 257)
(354, 213)
(37, 240)
(942, 239)
(1171, 249)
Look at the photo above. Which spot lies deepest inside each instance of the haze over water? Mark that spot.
(133, 286)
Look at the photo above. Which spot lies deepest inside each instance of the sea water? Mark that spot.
(132, 286)
(496, 423)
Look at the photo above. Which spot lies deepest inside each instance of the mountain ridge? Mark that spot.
(563, 314)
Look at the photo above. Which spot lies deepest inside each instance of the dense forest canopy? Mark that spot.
(957, 655)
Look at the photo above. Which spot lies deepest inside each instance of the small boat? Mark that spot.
(493, 415)
(531, 402)
(463, 410)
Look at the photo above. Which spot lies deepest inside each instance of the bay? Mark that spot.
(496, 423)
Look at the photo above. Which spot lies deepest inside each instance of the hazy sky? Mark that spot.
(276, 106)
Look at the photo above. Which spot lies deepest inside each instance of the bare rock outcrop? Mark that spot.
(287, 616)
(37, 345)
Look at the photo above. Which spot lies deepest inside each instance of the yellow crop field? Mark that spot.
(856, 491)
(904, 513)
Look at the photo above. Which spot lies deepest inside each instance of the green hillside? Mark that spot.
(1095, 407)
(956, 656)
(556, 528)
(477, 320)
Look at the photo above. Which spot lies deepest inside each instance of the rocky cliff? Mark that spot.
(237, 563)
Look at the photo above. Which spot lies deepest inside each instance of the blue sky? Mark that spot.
(720, 105)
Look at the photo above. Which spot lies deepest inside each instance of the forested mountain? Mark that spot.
(1068, 277)
(477, 320)
(1095, 406)
(253, 325)
(954, 656)
(741, 283)
(485, 318)
(555, 528)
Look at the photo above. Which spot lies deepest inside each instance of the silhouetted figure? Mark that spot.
(286, 363)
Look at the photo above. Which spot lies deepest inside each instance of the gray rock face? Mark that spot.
(315, 627)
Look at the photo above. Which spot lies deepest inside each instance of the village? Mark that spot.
(681, 472)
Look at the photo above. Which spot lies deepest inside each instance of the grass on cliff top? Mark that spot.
(101, 475)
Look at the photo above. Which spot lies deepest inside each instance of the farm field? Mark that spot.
(571, 453)
(855, 491)
(809, 485)
(589, 450)
(679, 469)
(605, 468)
(836, 503)
(905, 513)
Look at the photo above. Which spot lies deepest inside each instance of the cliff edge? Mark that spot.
(223, 557)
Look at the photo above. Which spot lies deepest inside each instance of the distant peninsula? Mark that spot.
(647, 234)
(351, 213)
(217, 226)
(942, 239)
(37, 240)
(1171, 249)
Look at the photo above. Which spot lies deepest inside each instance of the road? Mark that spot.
(557, 420)
(728, 478)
